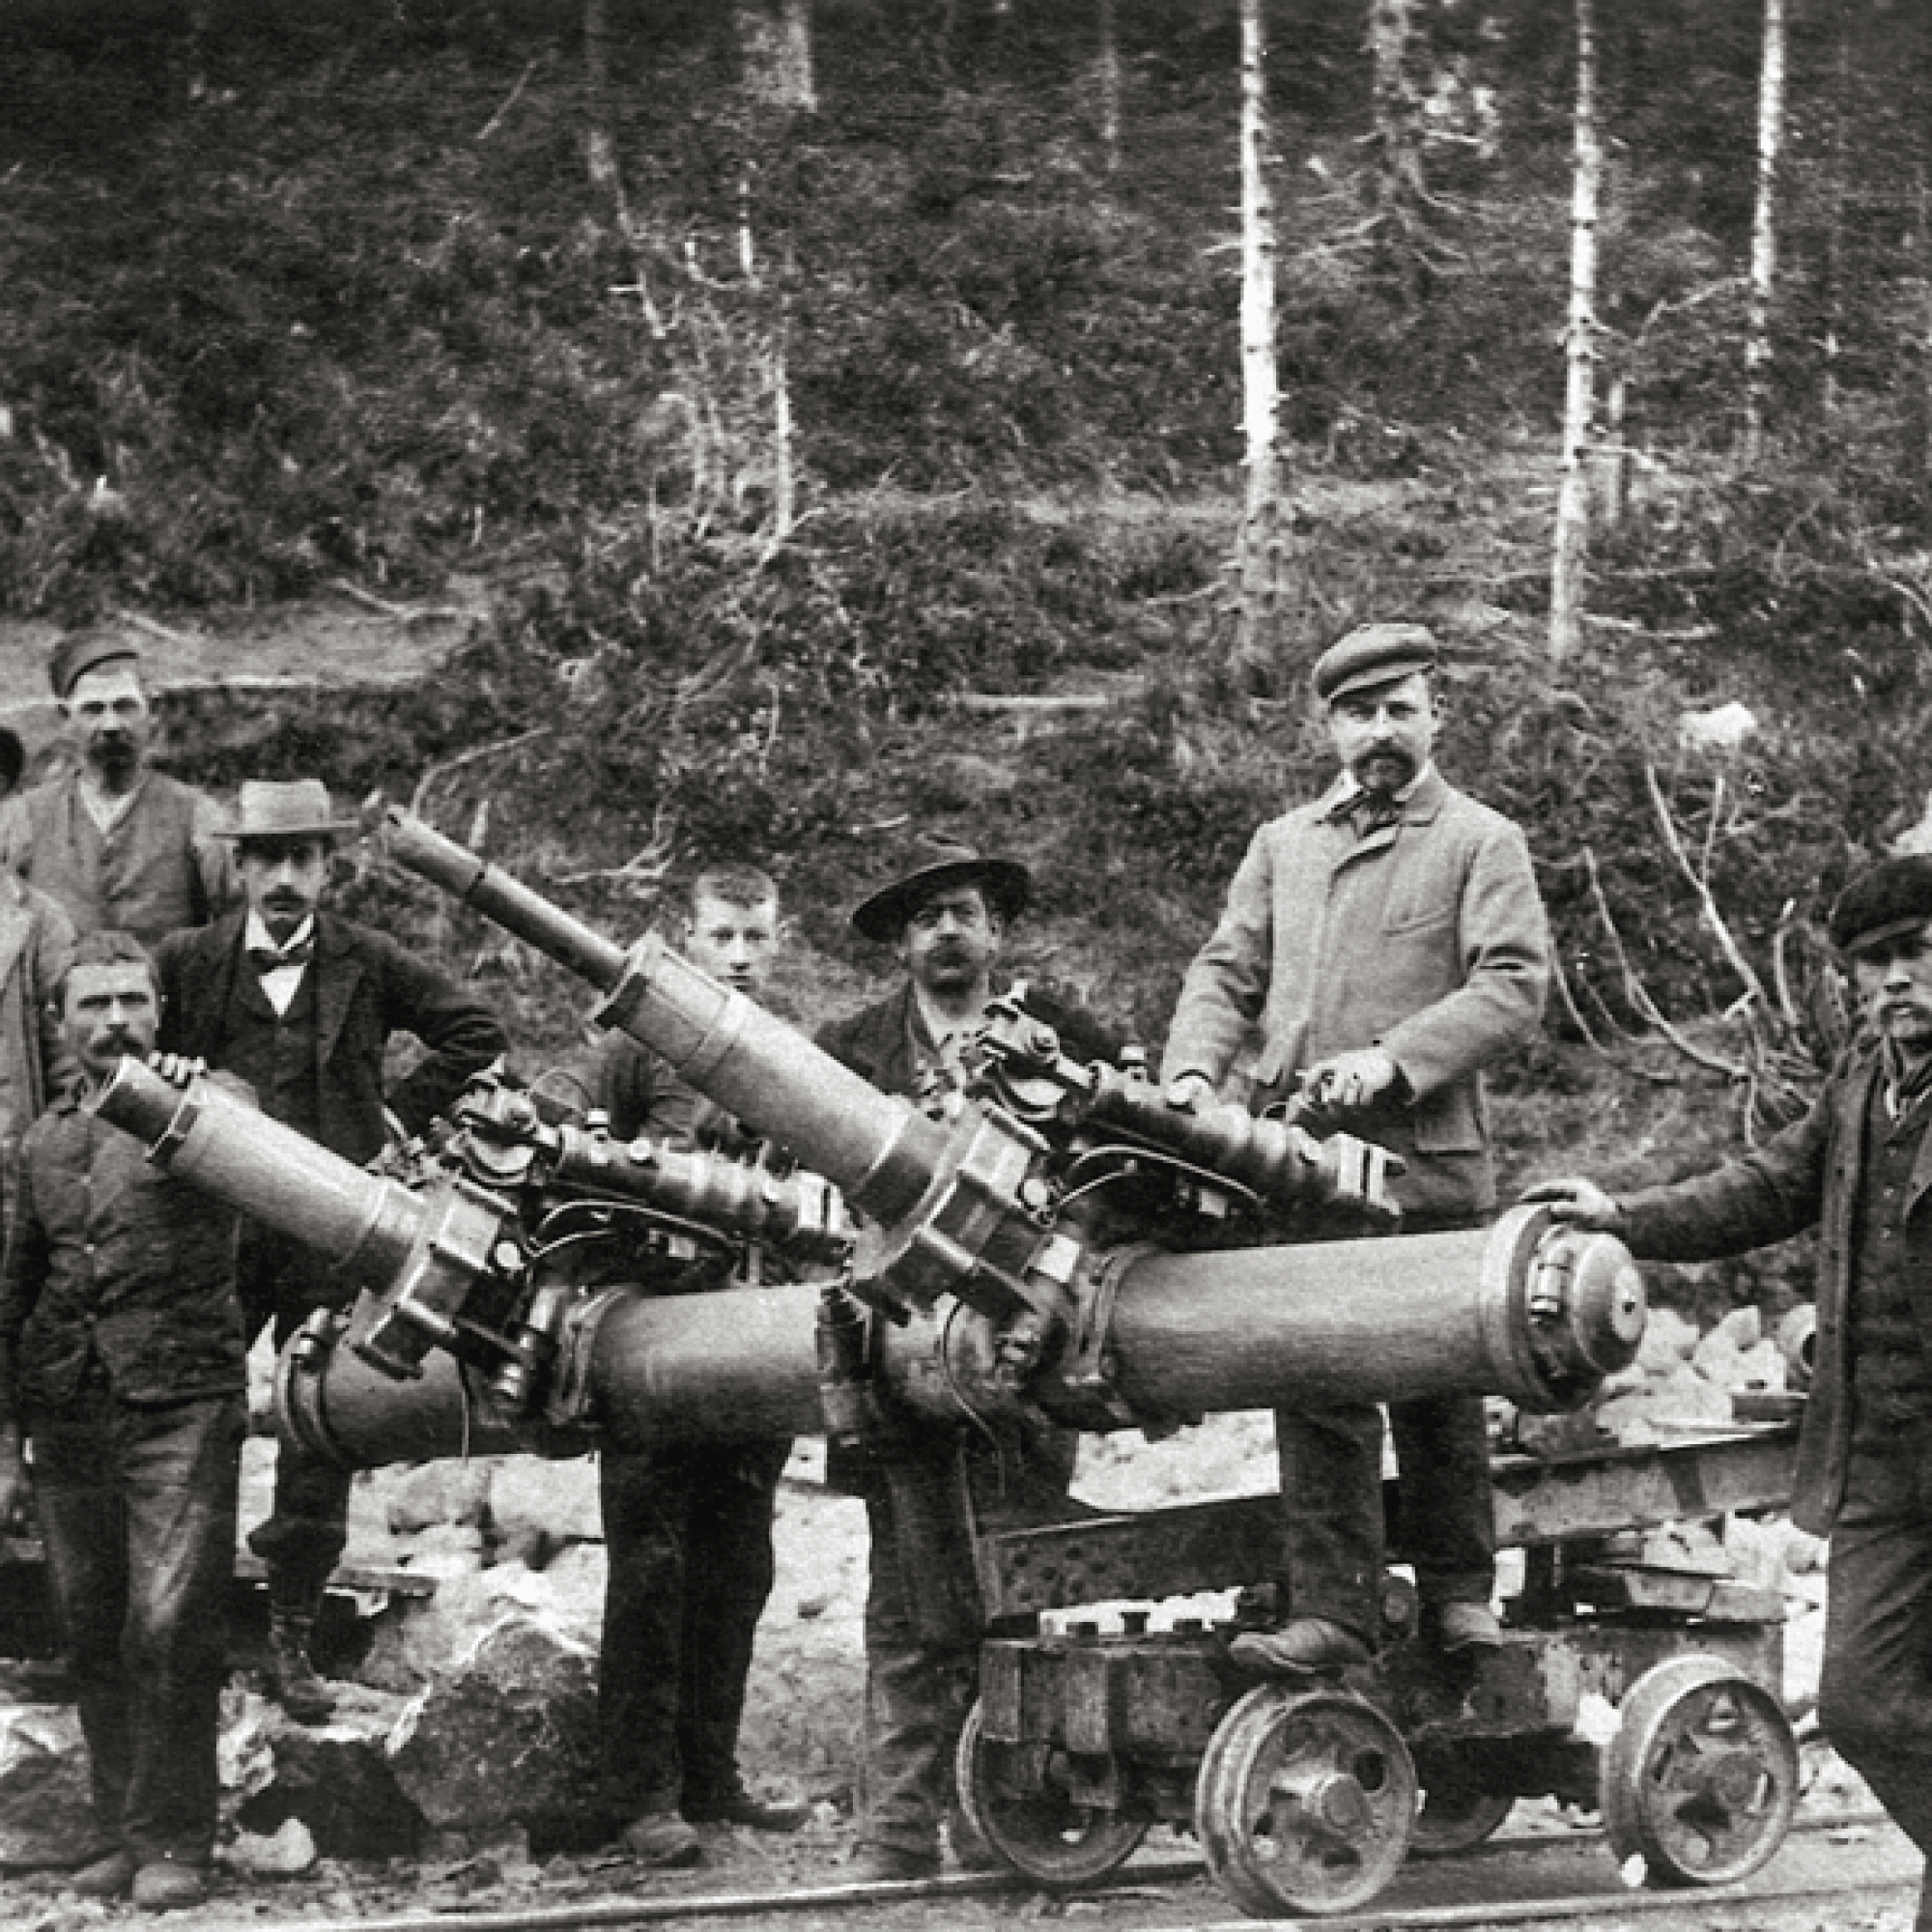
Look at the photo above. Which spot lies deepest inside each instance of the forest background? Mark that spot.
(834, 413)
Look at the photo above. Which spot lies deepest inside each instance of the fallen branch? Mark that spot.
(496, 120)
(472, 756)
(403, 613)
(1707, 904)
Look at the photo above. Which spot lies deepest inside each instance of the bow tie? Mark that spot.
(1374, 809)
(267, 959)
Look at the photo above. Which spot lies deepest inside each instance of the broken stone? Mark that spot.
(555, 1502)
(288, 1853)
(507, 1737)
(334, 1778)
(446, 1549)
(1668, 1340)
(46, 1814)
(437, 1493)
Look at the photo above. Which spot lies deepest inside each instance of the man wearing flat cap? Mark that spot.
(300, 1004)
(947, 923)
(1858, 1166)
(1385, 943)
(117, 845)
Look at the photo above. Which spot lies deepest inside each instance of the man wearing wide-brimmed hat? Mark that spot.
(1384, 944)
(300, 1004)
(1859, 1167)
(947, 921)
(117, 845)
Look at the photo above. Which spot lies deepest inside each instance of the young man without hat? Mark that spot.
(302, 1005)
(117, 844)
(1386, 943)
(1859, 1167)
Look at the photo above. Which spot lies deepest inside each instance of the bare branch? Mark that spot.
(1707, 904)
(469, 757)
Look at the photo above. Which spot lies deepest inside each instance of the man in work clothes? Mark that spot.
(1858, 1166)
(1388, 942)
(946, 922)
(121, 1356)
(117, 844)
(302, 1005)
(688, 1530)
(36, 944)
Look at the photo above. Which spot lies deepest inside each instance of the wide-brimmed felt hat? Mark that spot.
(1375, 654)
(285, 809)
(1895, 897)
(82, 651)
(1006, 882)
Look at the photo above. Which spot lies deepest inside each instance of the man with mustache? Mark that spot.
(301, 1006)
(1385, 943)
(114, 843)
(121, 1356)
(1856, 1168)
(946, 922)
(689, 1531)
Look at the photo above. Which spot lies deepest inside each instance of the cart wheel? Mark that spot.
(1305, 1802)
(1041, 1833)
(1455, 1814)
(1702, 1775)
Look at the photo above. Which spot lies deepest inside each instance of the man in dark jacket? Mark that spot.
(120, 1356)
(947, 923)
(114, 843)
(689, 1529)
(302, 1005)
(1859, 1167)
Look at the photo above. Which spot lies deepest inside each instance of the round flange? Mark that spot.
(1701, 1778)
(1456, 1814)
(1040, 1831)
(1305, 1802)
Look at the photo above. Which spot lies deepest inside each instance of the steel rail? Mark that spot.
(659, 1909)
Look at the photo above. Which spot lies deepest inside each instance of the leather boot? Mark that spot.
(292, 1606)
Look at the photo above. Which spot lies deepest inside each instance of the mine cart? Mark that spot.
(1649, 1693)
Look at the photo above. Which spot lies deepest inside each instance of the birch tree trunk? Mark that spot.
(1763, 229)
(600, 153)
(1573, 505)
(1107, 79)
(1260, 560)
(774, 52)
(1834, 234)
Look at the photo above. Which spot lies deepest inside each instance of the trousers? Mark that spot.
(302, 1538)
(137, 1510)
(1875, 1693)
(1331, 1466)
(688, 1534)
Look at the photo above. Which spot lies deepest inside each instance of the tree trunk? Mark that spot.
(1398, 191)
(598, 149)
(1107, 79)
(1763, 229)
(1834, 234)
(774, 52)
(1260, 561)
(1573, 506)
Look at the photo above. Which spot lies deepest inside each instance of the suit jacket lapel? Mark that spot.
(338, 969)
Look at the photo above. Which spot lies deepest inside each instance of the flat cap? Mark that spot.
(83, 651)
(1374, 654)
(1006, 882)
(1893, 898)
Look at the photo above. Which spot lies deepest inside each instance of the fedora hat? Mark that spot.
(1006, 882)
(285, 809)
(82, 651)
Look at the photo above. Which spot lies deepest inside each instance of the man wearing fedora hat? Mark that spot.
(119, 845)
(1387, 942)
(1858, 1166)
(946, 922)
(300, 1004)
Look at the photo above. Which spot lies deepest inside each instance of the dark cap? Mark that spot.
(1006, 882)
(1895, 897)
(13, 758)
(83, 651)
(1374, 654)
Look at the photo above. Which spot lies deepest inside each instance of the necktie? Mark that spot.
(267, 959)
(1372, 810)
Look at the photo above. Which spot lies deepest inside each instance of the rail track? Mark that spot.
(1562, 1887)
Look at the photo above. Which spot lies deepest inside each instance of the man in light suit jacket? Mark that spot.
(1388, 941)
(300, 1004)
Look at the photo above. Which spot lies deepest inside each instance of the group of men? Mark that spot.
(1380, 946)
